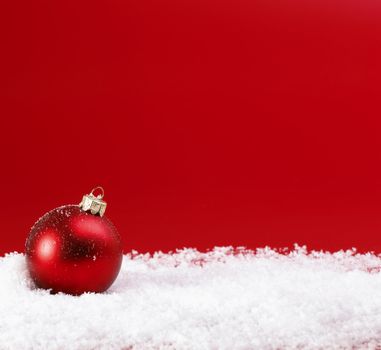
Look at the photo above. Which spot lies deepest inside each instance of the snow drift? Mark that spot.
(223, 299)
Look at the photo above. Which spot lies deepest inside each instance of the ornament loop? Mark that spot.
(95, 204)
(99, 195)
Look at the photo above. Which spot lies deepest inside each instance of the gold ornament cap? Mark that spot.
(95, 204)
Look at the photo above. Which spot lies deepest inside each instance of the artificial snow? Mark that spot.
(223, 299)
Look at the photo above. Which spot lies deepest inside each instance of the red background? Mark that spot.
(208, 122)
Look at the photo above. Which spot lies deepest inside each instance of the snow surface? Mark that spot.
(223, 299)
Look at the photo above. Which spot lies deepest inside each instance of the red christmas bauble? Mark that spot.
(74, 251)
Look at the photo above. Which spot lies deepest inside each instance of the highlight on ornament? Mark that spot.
(75, 248)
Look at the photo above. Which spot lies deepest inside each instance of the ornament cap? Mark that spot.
(95, 204)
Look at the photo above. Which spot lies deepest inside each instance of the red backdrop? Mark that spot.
(208, 122)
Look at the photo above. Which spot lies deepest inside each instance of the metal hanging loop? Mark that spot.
(94, 204)
(99, 195)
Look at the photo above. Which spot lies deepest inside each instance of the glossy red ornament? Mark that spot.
(73, 251)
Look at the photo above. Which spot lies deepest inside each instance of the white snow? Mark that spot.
(223, 299)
